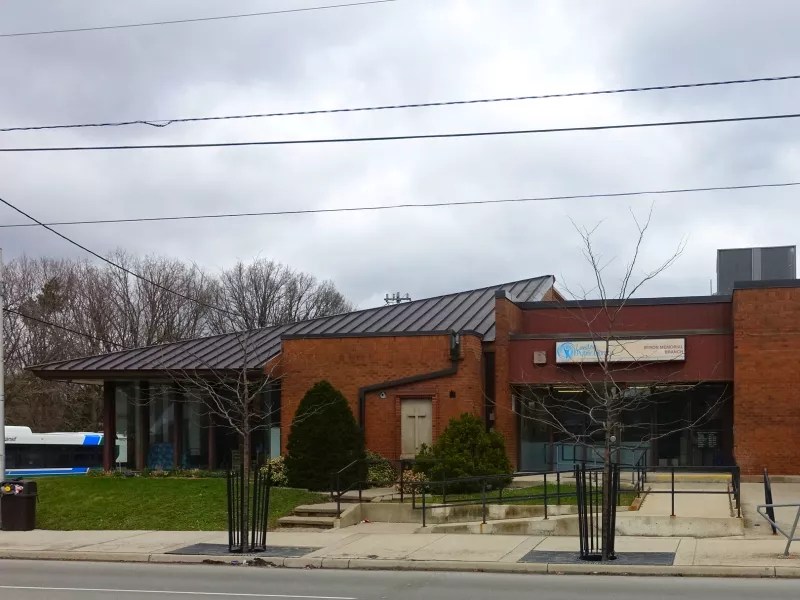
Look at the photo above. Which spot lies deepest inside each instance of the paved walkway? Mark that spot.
(393, 546)
(753, 495)
(716, 504)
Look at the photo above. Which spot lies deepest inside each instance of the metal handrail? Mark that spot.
(735, 482)
(638, 476)
(485, 499)
(790, 537)
(337, 492)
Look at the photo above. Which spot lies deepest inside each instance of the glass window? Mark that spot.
(195, 433)
(126, 405)
(161, 414)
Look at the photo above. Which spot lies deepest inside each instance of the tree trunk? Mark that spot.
(607, 496)
(246, 487)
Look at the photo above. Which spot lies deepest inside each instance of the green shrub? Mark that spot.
(409, 478)
(380, 473)
(279, 473)
(323, 439)
(466, 449)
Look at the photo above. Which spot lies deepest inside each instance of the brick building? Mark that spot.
(406, 369)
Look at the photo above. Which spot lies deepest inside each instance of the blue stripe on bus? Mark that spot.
(92, 440)
(31, 472)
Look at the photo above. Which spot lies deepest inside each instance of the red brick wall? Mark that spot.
(351, 363)
(708, 358)
(508, 320)
(663, 317)
(767, 380)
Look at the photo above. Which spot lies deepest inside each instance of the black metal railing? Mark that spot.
(768, 501)
(497, 489)
(734, 491)
(493, 489)
(596, 531)
(354, 477)
(248, 509)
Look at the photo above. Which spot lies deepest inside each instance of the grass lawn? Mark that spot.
(509, 495)
(76, 502)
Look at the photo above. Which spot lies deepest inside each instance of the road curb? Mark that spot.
(365, 564)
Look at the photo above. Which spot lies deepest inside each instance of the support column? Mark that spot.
(143, 426)
(212, 459)
(109, 425)
(177, 429)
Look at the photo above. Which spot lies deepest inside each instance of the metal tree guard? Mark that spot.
(248, 535)
(590, 484)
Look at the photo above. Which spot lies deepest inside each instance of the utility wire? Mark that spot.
(118, 266)
(75, 331)
(413, 205)
(394, 138)
(166, 122)
(196, 20)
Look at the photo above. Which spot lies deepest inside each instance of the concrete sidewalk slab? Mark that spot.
(741, 557)
(59, 540)
(622, 544)
(380, 547)
(392, 528)
(684, 555)
(151, 542)
(530, 543)
(468, 548)
(758, 552)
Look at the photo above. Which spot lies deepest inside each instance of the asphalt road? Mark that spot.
(45, 580)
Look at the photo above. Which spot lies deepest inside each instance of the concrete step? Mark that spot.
(325, 509)
(307, 522)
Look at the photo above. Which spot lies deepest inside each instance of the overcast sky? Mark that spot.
(404, 52)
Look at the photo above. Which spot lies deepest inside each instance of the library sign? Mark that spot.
(595, 351)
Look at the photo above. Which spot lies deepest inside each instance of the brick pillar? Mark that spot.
(766, 400)
(508, 319)
(143, 426)
(109, 425)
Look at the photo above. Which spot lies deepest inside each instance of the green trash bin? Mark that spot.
(18, 505)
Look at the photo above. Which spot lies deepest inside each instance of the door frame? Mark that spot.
(418, 393)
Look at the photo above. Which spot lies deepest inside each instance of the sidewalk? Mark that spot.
(397, 546)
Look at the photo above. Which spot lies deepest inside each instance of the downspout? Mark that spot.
(455, 353)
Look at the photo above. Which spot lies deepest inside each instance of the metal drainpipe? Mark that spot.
(455, 354)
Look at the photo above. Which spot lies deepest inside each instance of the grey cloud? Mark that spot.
(409, 51)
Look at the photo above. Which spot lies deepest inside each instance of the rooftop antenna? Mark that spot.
(396, 298)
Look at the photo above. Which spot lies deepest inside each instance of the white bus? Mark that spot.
(68, 453)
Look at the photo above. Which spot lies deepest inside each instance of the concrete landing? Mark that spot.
(753, 495)
(695, 504)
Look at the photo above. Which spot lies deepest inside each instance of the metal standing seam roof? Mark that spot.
(471, 310)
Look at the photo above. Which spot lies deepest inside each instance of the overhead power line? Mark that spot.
(413, 205)
(394, 138)
(195, 20)
(116, 265)
(70, 330)
(166, 122)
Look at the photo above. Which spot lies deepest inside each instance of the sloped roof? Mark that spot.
(471, 310)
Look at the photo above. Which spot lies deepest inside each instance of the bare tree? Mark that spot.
(116, 306)
(61, 308)
(239, 399)
(266, 293)
(599, 403)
